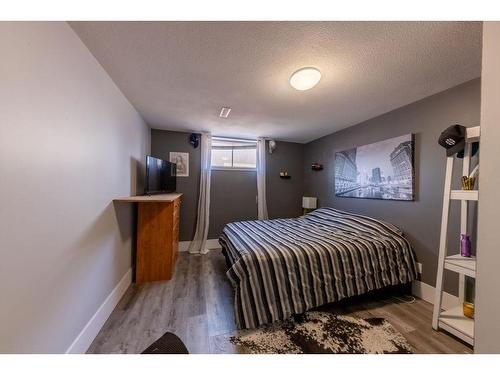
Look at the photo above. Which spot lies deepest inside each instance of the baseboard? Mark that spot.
(211, 244)
(94, 325)
(427, 293)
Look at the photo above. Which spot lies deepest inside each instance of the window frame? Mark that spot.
(243, 169)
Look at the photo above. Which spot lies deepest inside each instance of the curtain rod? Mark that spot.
(234, 139)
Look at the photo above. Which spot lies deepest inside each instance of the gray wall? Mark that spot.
(284, 196)
(69, 143)
(162, 143)
(420, 220)
(233, 193)
(487, 330)
(232, 198)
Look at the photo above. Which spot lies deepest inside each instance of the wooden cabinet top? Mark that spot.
(150, 198)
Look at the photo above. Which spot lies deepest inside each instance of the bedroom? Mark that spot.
(249, 187)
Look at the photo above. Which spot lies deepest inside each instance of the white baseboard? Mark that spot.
(427, 292)
(94, 325)
(211, 244)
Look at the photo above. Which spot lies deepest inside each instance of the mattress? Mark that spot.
(283, 267)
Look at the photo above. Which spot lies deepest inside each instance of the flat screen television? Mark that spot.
(160, 176)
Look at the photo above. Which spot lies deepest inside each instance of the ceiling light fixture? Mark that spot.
(305, 78)
(224, 112)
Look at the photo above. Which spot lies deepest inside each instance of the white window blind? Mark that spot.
(228, 153)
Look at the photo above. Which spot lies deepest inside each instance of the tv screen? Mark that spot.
(160, 176)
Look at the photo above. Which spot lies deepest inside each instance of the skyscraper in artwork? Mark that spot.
(376, 176)
(346, 172)
(402, 164)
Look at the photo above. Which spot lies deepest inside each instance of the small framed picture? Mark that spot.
(181, 159)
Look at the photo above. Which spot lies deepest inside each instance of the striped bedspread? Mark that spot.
(287, 266)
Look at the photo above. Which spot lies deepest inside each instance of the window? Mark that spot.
(233, 153)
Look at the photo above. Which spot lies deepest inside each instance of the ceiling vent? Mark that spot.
(224, 112)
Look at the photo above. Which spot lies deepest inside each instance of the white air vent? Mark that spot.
(224, 112)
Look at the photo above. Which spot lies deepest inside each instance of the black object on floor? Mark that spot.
(167, 344)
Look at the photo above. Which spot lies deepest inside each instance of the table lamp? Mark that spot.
(309, 204)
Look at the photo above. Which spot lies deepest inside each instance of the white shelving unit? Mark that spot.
(461, 265)
(464, 195)
(453, 320)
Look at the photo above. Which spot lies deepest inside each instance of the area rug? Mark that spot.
(323, 333)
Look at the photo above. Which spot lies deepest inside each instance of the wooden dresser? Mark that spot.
(157, 235)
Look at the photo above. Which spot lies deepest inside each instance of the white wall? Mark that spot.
(487, 335)
(69, 142)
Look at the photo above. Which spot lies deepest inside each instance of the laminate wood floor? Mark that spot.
(197, 305)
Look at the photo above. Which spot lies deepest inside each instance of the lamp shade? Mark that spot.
(309, 202)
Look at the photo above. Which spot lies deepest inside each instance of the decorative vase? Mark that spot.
(465, 245)
(468, 310)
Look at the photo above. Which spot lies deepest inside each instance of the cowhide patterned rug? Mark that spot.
(323, 333)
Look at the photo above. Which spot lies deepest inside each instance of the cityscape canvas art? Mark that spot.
(381, 170)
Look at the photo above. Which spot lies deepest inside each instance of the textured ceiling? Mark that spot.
(179, 74)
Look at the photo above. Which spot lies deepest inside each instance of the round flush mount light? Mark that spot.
(305, 78)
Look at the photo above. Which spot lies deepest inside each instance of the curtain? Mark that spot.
(198, 244)
(261, 179)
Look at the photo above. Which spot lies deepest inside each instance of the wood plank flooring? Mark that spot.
(197, 305)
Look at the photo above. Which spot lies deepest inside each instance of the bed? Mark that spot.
(283, 267)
